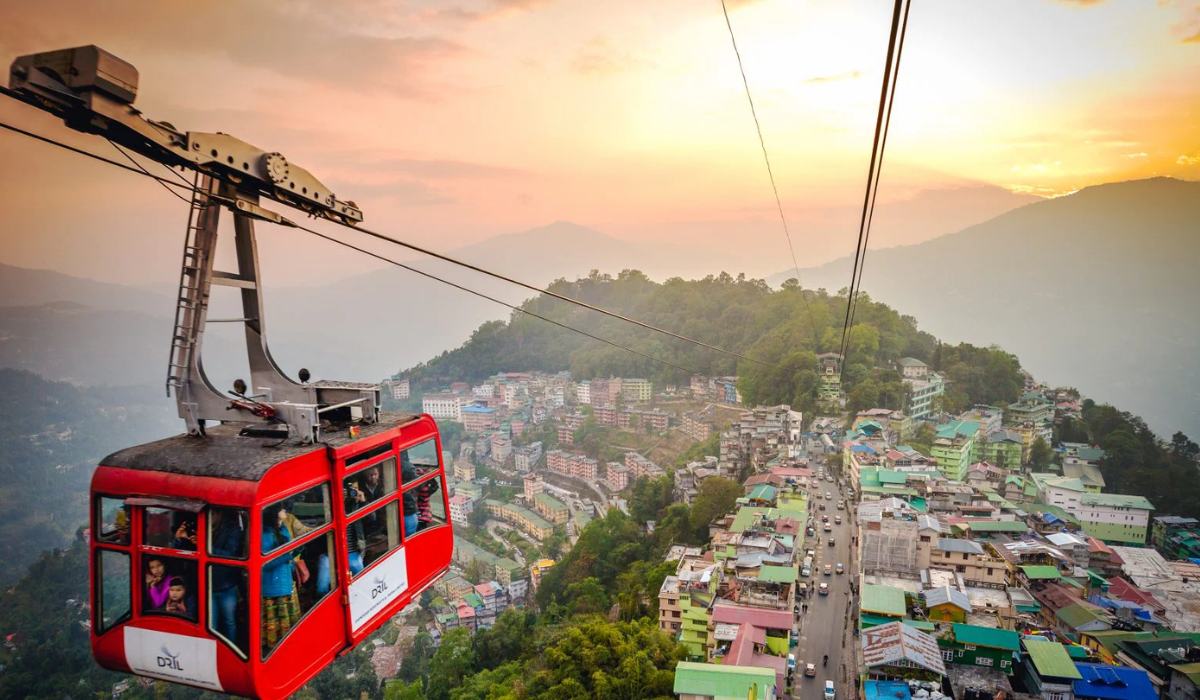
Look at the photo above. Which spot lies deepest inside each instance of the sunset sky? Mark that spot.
(452, 122)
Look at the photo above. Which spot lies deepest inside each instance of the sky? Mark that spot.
(451, 122)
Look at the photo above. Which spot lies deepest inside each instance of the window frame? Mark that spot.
(98, 513)
(153, 553)
(381, 504)
(210, 621)
(98, 592)
(438, 473)
(269, 554)
(208, 534)
(334, 585)
(142, 546)
(358, 468)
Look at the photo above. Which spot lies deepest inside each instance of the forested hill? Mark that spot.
(777, 327)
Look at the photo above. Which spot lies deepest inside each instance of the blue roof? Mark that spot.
(1113, 683)
(477, 409)
(862, 448)
(886, 690)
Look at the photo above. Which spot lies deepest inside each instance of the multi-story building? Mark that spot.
(1033, 406)
(605, 415)
(476, 419)
(1109, 517)
(566, 435)
(977, 565)
(617, 476)
(464, 469)
(954, 448)
(912, 368)
(726, 391)
(1165, 531)
(696, 427)
(526, 458)
(551, 508)
(518, 427)
(636, 390)
(685, 603)
(575, 465)
(484, 391)
(829, 393)
(639, 466)
(1003, 448)
(700, 386)
(534, 485)
(532, 523)
(460, 509)
(989, 418)
(501, 448)
(583, 393)
(647, 420)
(400, 388)
(444, 406)
(922, 393)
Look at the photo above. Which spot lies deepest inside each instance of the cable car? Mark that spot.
(294, 517)
(236, 564)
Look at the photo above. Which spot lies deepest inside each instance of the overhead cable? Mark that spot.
(859, 252)
(144, 173)
(770, 174)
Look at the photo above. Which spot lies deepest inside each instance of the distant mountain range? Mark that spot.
(1096, 290)
(1093, 290)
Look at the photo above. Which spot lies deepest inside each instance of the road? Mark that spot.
(823, 629)
(493, 525)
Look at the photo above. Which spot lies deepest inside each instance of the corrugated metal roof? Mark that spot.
(722, 681)
(945, 595)
(987, 637)
(778, 574)
(887, 644)
(1050, 659)
(1113, 682)
(964, 546)
(1040, 572)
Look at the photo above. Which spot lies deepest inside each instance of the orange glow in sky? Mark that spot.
(454, 121)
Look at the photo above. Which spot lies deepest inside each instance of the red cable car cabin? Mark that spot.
(242, 564)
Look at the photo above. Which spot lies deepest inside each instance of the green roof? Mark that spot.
(1077, 652)
(868, 621)
(1109, 638)
(1116, 500)
(722, 682)
(778, 574)
(996, 526)
(1051, 659)
(765, 492)
(1077, 615)
(473, 600)
(957, 428)
(883, 600)
(1097, 579)
(550, 501)
(887, 476)
(987, 637)
(1041, 572)
(1192, 671)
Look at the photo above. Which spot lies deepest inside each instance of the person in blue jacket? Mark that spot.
(229, 541)
(281, 605)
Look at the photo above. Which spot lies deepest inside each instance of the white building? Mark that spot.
(460, 509)
(583, 393)
(526, 458)
(400, 389)
(912, 368)
(484, 391)
(922, 393)
(444, 406)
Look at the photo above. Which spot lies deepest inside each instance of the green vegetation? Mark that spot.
(1135, 462)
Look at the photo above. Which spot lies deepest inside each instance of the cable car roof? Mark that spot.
(224, 453)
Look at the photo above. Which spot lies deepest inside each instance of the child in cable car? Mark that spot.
(178, 600)
(157, 585)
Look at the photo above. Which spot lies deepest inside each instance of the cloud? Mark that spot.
(599, 57)
(848, 75)
(292, 41)
(1081, 3)
(1135, 155)
(1186, 160)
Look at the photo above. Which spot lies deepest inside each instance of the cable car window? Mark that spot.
(227, 530)
(113, 574)
(170, 586)
(366, 486)
(301, 513)
(418, 460)
(423, 506)
(372, 536)
(112, 520)
(169, 528)
(290, 588)
(228, 596)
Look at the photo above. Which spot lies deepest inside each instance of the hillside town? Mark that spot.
(896, 552)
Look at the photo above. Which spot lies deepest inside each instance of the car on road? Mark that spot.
(829, 690)
(828, 496)
(810, 670)
(830, 541)
(810, 553)
(841, 505)
(838, 520)
(828, 527)
(840, 568)
(811, 532)
(824, 518)
(829, 569)
(791, 662)
(822, 505)
(829, 478)
(823, 589)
